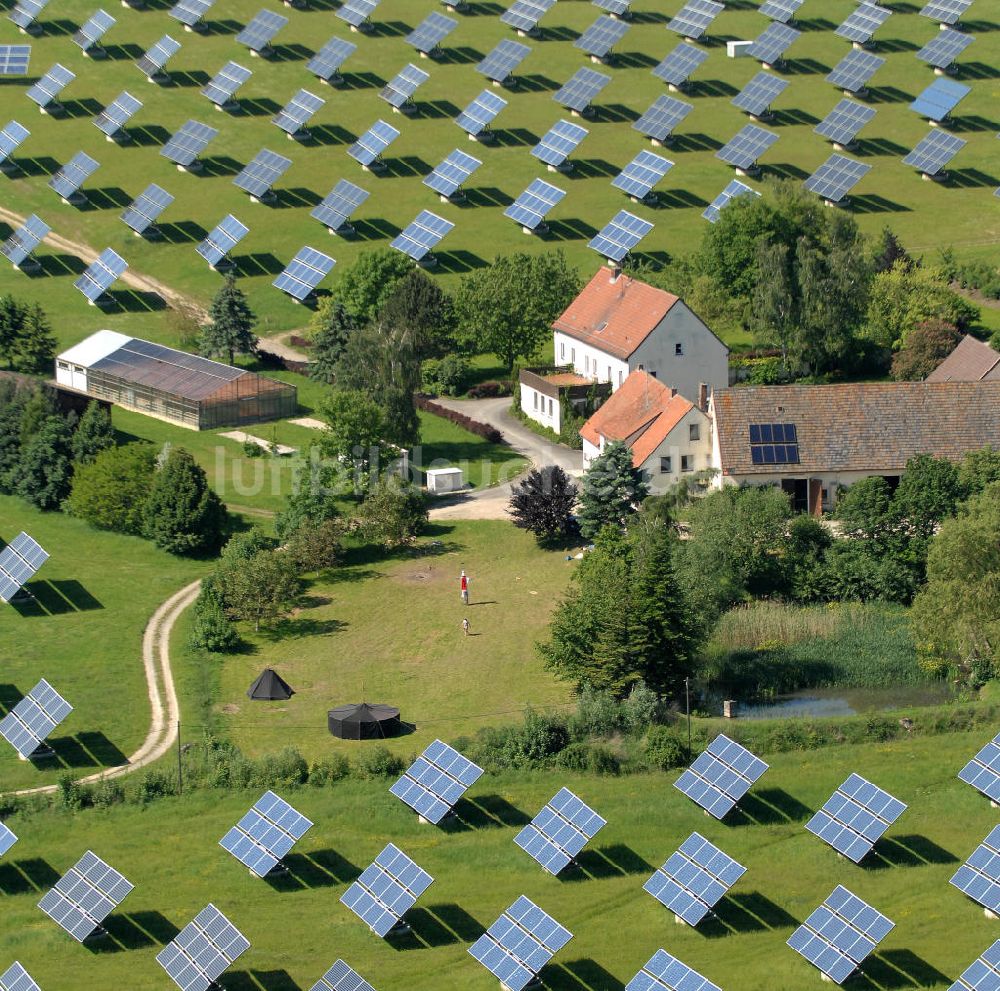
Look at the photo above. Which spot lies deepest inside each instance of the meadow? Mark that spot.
(926, 215)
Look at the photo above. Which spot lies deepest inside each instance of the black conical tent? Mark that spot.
(363, 721)
(269, 687)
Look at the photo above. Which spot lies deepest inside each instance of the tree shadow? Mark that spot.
(617, 860)
(330, 134)
(258, 263)
(134, 931)
(25, 877)
(299, 627)
(437, 925)
(906, 851)
(768, 807)
(486, 812)
(187, 78)
(259, 980)
(317, 869)
(894, 969)
(579, 975)
(121, 53)
(745, 912)
(182, 232)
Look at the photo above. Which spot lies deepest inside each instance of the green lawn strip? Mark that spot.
(445, 444)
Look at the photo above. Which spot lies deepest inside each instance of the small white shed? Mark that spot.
(445, 479)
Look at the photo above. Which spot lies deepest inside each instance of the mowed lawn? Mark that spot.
(83, 634)
(390, 631)
(297, 927)
(926, 215)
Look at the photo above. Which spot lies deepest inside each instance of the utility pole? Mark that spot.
(180, 770)
(687, 705)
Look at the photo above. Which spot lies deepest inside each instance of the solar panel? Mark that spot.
(772, 44)
(639, 177)
(340, 977)
(32, 719)
(112, 120)
(294, 115)
(558, 143)
(746, 146)
(531, 207)
(422, 235)
(694, 879)
(440, 776)
(563, 827)
(983, 771)
(946, 11)
(16, 978)
(100, 275)
(85, 896)
(14, 60)
(430, 32)
(260, 32)
(519, 944)
(840, 934)
(90, 35)
(979, 876)
(863, 22)
(476, 118)
(369, 147)
(398, 92)
(720, 776)
(662, 971)
(602, 36)
(152, 63)
(855, 816)
(304, 273)
(7, 838)
(944, 48)
(68, 180)
(524, 15)
(939, 99)
(781, 11)
(223, 86)
(679, 64)
(620, 235)
(222, 239)
(695, 17)
(618, 8)
(20, 559)
(501, 63)
(984, 974)
(198, 955)
(265, 834)
(386, 890)
(934, 152)
(842, 124)
(337, 206)
(450, 175)
(146, 208)
(326, 63)
(581, 89)
(758, 94)
(774, 443)
(853, 71)
(17, 249)
(188, 143)
(46, 91)
(26, 13)
(734, 189)
(12, 136)
(836, 177)
(191, 12)
(357, 13)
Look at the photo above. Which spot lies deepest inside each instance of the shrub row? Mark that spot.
(490, 389)
(483, 430)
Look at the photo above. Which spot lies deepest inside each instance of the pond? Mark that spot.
(819, 702)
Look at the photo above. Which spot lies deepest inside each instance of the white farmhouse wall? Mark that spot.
(677, 446)
(589, 361)
(541, 408)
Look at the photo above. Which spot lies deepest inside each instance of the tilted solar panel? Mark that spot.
(581, 89)
(934, 152)
(620, 8)
(563, 827)
(720, 776)
(26, 12)
(940, 98)
(531, 207)
(369, 147)
(663, 115)
(421, 236)
(101, 275)
(14, 60)
(357, 13)
(399, 91)
(17, 249)
(863, 22)
(155, 59)
(68, 180)
(983, 771)
(304, 273)
(143, 213)
(222, 239)
(946, 11)
(476, 118)
(191, 12)
(85, 896)
(32, 719)
(770, 47)
(337, 206)
(446, 180)
(23, 556)
(501, 63)
(855, 816)
(199, 954)
(842, 124)
(524, 15)
(386, 890)
(7, 838)
(340, 977)
(188, 143)
(663, 972)
(440, 776)
(89, 36)
(16, 978)
(781, 11)
(854, 70)
(326, 63)
(620, 235)
(639, 177)
(265, 834)
(430, 32)
(979, 876)
(757, 96)
(113, 118)
(299, 110)
(222, 88)
(983, 974)
(12, 136)
(602, 36)
(836, 177)
(559, 143)
(944, 48)
(733, 190)
(695, 17)
(678, 66)
(46, 91)
(260, 32)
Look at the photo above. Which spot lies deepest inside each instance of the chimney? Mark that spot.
(615, 274)
(703, 397)
(673, 392)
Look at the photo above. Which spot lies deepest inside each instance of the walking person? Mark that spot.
(465, 626)
(465, 588)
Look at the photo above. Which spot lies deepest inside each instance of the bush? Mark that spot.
(532, 744)
(597, 714)
(490, 390)
(212, 630)
(589, 757)
(285, 769)
(252, 450)
(483, 430)
(379, 762)
(153, 785)
(449, 375)
(665, 749)
(330, 769)
(640, 709)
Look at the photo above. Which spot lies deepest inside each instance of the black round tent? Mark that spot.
(363, 721)
(269, 687)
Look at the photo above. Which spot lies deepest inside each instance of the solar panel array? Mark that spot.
(620, 235)
(983, 974)
(746, 146)
(946, 11)
(836, 177)
(152, 63)
(524, 15)
(22, 557)
(440, 776)
(12, 136)
(113, 118)
(85, 896)
(304, 273)
(14, 60)
(559, 143)
(26, 12)
(191, 12)
(774, 444)
(337, 206)
(501, 63)
(944, 48)
(7, 838)
(199, 954)
(772, 43)
(662, 972)
(678, 66)
(450, 174)
(386, 890)
(531, 207)
(101, 275)
(602, 36)
(261, 173)
(90, 35)
(46, 91)
(979, 876)
(145, 210)
(265, 834)
(297, 112)
(427, 36)
(260, 32)
(16, 978)
(694, 879)
(399, 91)
(983, 771)
(68, 179)
(222, 239)
(854, 70)
(326, 63)
(17, 249)
(357, 13)
(563, 827)
(695, 18)
(939, 99)
(32, 719)
(369, 147)
(842, 124)
(581, 89)
(781, 11)
(720, 776)
(340, 977)
(855, 816)
(760, 93)
(733, 189)
(476, 118)
(188, 143)
(519, 944)
(223, 86)
(840, 934)
(663, 115)
(639, 177)
(934, 152)
(863, 22)
(422, 235)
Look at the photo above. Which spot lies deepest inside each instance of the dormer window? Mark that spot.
(678, 348)
(600, 326)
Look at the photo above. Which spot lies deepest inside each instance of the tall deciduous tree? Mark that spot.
(393, 513)
(773, 315)
(94, 433)
(230, 331)
(925, 347)
(364, 287)
(182, 514)
(543, 504)
(354, 434)
(263, 588)
(111, 491)
(420, 308)
(612, 490)
(331, 330)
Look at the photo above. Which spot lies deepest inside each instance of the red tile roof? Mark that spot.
(971, 361)
(615, 316)
(641, 404)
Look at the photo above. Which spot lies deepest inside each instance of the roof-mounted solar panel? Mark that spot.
(340, 977)
(983, 974)
(440, 776)
(101, 275)
(983, 771)
(663, 972)
(386, 890)
(188, 143)
(502, 62)
(398, 92)
(694, 18)
(420, 237)
(304, 273)
(782, 11)
(221, 240)
(325, 65)
(367, 150)
(979, 876)
(854, 70)
(580, 91)
(448, 178)
(16, 978)
(836, 177)
(639, 178)
(939, 99)
(720, 776)
(555, 146)
(427, 36)
(619, 236)
(863, 22)
(773, 443)
(200, 953)
(601, 37)
(842, 124)
(71, 176)
(221, 89)
(111, 121)
(88, 38)
(265, 834)
(733, 190)
(757, 96)
(191, 13)
(855, 817)
(14, 60)
(12, 136)
(261, 31)
(85, 896)
(17, 249)
(338, 205)
(934, 152)
(770, 47)
(26, 13)
(677, 67)
(477, 117)
(297, 112)
(944, 48)
(560, 831)
(47, 90)
(524, 15)
(533, 205)
(153, 63)
(357, 13)
(946, 11)
(746, 146)
(26, 726)
(19, 562)
(146, 208)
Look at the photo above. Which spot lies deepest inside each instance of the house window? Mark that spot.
(665, 466)
(572, 355)
(652, 375)
(550, 407)
(535, 394)
(619, 376)
(609, 373)
(562, 349)
(687, 462)
(678, 348)
(694, 432)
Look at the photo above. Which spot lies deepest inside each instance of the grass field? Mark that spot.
(297, 927)
(926, 215)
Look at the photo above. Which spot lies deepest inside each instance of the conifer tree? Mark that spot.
(231, 330)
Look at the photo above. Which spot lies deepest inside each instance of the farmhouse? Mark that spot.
(971, 361)
(171, 385)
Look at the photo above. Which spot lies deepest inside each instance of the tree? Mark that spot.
(315, 546)
(11, 414)
(93, 434)
(864, 510)
(231, 328)
(34, 348)
(419, 307)
(612, 490)
(211, 629)
(508, 308)
(331, 329)
(925, 347)
(45, 467)
(773, 299)
(182, 514)
(543, 503)
(890, 251)
(355, 428)
(927, 494)
(977, 470)
(364, 287)
(392, 514)
(311, 503)
(110, 492)
(12, 318)
(263, 588)
(240, 547)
